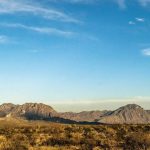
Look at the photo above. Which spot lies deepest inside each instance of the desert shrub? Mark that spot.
(137, 141)
(4, 143)
(96, 148)
(19, 142)
(49, 136)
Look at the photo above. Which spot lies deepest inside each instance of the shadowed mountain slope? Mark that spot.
(33, 111)
(89, 116)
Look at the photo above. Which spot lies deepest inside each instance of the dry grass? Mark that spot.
(16, 134)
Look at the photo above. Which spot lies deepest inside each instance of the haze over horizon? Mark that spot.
(75, 51)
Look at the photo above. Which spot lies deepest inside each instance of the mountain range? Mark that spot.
(129, 114)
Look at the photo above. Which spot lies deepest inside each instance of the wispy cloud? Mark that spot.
(144, 2)
(3, 39)
(43, 30)
(121, 3)
(140, 19)
(131, 23)
(25, 6)
(75, 1)
(136, 20)
(81, 1)
(146, 52)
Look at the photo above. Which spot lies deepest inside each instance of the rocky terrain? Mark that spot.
(90, 116)
(129, 114)
(33, 111)
(6, 108)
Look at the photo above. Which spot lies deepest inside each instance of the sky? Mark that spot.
(78, 51)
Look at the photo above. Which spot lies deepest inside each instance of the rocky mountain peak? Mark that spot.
(33, 111)
(130, 113)
(128, 108)
(132, 106)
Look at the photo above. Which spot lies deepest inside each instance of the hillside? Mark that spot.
(6, 108)
(89, 116)
(33, 111)
(131, 114)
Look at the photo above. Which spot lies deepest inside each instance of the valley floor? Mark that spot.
(18, 134)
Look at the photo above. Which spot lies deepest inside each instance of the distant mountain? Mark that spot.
(89, 116)
(130, 114)
(33, 111)
(6, 108)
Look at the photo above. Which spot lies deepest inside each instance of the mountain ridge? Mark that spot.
(128, 114)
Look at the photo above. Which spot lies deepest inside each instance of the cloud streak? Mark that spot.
(140, 19)
(37, 9)
(42, 30)
(75, 1)
(144, 2)
(3, 39)
(121, 3)
(136, 20)
(131, 23)
(146, 52)
(24, 6)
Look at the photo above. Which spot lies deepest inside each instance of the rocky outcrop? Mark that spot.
(6, 108)
(34, 111)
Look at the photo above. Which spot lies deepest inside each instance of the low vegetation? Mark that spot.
(25, 135)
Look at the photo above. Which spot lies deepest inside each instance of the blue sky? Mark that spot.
(74, 50)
